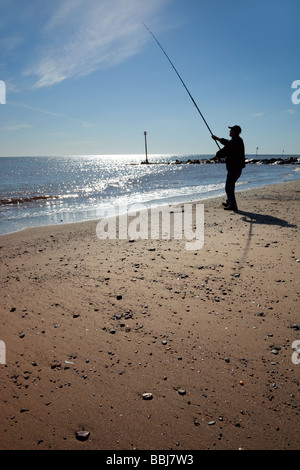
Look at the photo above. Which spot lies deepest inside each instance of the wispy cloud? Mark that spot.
(17, 127)
(9, 43)
(82, 36)
(77, 143)
(45, 111)
(258, 115)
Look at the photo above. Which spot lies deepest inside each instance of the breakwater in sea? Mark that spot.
(259, 161)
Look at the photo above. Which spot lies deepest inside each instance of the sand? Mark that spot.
(91, 325)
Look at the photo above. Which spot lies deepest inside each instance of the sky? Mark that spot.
(85, 77)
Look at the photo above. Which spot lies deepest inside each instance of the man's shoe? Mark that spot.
(230, 208)
(225, 204)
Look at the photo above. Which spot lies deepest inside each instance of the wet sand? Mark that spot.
(91, 325)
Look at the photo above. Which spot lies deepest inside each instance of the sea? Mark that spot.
(40, 191)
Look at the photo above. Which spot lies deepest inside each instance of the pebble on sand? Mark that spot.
(147, 396)
(82, 435)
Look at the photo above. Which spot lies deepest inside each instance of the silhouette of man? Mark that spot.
(234, 154)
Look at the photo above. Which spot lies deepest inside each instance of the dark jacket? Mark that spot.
(234, 152)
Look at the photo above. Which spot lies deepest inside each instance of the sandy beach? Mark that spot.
(91, 325)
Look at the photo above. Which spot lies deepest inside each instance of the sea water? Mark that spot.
(36, 191)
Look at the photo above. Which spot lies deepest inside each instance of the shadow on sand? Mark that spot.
(263, 219)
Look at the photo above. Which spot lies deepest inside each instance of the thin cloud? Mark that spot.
(82, 36)
(8, 44)
(258, 115)
(45, 111)
(17, 127)
(80, 142)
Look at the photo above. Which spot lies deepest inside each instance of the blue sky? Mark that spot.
(86, 77)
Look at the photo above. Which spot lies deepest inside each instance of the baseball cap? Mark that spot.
(236, 128)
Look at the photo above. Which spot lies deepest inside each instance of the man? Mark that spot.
(234, 153)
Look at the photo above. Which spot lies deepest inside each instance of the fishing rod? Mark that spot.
(195, 104)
